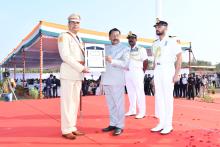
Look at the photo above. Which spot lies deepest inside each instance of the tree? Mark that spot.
(202, 63)
(218, 67)
(185, 64)
(197, 63)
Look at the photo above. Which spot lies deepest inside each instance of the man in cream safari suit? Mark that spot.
(71, 74)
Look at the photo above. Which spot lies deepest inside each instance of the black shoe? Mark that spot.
(117, 131)
(109, 128)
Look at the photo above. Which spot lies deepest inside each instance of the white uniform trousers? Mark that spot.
(156, 108)
(135, 88)
(115, 100)
(69, 99)
(163, 78)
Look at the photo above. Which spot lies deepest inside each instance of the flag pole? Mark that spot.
(158, 10)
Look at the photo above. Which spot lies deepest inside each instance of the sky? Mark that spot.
(196, 21)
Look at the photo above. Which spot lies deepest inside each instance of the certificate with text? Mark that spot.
(95, 57)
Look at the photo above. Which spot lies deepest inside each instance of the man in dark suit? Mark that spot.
(184, 86)
(181, 86)
(198, 85)
(191, 87)
(176, 91)
(147, 84)
(55, 84)
(49, 86)
(85, 86)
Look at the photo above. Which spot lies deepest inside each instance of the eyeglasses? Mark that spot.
(74, 22)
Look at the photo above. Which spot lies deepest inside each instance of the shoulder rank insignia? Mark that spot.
(155, 40)
(60, 39)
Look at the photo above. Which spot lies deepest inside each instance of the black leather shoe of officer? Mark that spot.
(117, 131)
(109, 128)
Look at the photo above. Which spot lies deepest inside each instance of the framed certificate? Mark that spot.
(95, 57)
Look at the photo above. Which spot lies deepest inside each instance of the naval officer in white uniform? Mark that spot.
(167, 52)
(135, 78)
(113, 81)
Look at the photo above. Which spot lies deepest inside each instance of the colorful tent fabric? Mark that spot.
(29, 48)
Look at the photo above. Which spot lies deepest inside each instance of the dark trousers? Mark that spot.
(183, 90)
(191, 93)
(55, 92)
(85, 90)
(176, 92)
(197, 89)
(151, 90)
(214, 83)
(148, 88)
(48, 92)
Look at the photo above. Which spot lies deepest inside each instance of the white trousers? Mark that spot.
(135, 88)
(69, 100)
(163, 79)
(115, 100)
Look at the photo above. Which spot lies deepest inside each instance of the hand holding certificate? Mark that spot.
(109, 59)
(85, 70)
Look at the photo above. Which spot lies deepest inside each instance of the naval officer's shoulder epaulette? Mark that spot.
(172, 36)
(155, 40)
(174, 39)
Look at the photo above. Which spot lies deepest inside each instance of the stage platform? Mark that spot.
(36, 123)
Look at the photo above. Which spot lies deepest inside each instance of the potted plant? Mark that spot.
(207, 98)
(33, 92)
(19, 90)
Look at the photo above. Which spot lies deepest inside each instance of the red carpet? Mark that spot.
(36, 123)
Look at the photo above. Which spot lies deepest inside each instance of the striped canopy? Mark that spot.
(29, 48)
